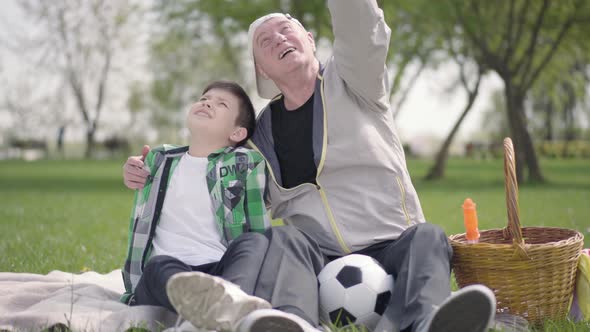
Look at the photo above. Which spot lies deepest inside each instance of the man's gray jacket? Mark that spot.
(364, 193)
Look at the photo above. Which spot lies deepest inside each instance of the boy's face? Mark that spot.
(214, 117)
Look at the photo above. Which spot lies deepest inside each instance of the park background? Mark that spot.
(85, 83)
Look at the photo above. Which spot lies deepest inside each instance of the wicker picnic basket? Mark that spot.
(531, 269)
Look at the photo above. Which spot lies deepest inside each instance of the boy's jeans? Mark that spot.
(279, 266)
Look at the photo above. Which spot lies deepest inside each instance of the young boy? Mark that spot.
(201, 221)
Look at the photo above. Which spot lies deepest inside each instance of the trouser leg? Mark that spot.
(288, 278)
(240, 264)
(151, 288)
(419, 261)
(243, 260)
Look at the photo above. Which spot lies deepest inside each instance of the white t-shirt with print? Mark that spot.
(187, 229)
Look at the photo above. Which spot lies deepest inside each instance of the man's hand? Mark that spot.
(134, 175)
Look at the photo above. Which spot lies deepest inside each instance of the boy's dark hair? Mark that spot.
(246, 115)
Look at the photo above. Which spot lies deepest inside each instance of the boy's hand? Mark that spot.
(134, 175)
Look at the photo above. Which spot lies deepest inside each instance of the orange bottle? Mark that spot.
(470, 220)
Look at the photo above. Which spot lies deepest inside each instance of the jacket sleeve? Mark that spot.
(141, 195)
(125, 271)
(254, 205)
(361, 43)
(138, 200)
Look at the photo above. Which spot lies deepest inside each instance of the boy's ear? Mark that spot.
(238, 135)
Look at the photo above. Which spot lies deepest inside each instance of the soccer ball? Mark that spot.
(354, 289)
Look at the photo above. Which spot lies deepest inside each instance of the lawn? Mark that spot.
(73, 215)
(65, 215)
(564, 201)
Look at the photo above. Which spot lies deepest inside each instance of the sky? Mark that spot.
(428, 114)
(430, 110)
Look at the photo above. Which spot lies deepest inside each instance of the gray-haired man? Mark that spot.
(338, 169)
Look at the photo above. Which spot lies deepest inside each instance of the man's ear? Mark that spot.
(260, 71)
(311, 40)
(238, 135)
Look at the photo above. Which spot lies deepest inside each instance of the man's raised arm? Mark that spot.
(361, 42)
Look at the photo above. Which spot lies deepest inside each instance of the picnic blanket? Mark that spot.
(81, 302)
(90, 302)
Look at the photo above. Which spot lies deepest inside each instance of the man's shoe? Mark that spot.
(210, 302)
(470, 309)
(271, 320)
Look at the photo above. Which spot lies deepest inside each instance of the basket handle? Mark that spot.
(513, 229)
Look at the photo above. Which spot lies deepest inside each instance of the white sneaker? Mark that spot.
(271, 320)
(210, 302)
(470, 309)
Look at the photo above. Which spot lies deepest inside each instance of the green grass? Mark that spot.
(564, 201)
(73, 215)
(62, 215)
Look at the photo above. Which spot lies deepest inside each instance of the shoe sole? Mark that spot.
(272, 324)
(475, 300)
(210, 302)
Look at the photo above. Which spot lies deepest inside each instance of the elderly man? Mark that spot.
(338, 169)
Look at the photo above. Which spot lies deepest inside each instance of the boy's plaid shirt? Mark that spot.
(236, 179)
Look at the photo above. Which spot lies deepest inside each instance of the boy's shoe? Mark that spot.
(271, 320)
(470, 309)
(210, 302)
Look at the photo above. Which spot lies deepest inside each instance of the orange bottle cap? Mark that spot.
(468, 204)
(470, 220)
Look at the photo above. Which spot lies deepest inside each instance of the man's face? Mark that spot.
(215, 115)
(280, 46)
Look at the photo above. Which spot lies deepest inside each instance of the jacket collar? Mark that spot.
(220, 152)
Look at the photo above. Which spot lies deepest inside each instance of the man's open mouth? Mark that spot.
(285, 52)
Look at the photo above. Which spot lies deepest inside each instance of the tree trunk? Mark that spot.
(549, 110)
(523, 145)
(568, 118)
(60, 140)
(532, 161)
(90, 143)
(437, 171)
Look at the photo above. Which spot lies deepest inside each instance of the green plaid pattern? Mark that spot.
(236, 180)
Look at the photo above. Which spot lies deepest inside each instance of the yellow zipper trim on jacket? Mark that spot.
(272, 174)
(320, 167)
(403, 192)
(320, 189)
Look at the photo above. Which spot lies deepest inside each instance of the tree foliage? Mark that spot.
(527, 43)
(519, 40)
(559, 101)
(200, 40)
(78, 41)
